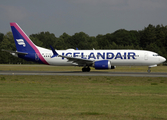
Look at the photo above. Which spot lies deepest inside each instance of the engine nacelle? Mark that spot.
(103, 64)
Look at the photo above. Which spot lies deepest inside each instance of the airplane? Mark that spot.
(99, 59)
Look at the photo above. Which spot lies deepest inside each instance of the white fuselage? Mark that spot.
(116, 57)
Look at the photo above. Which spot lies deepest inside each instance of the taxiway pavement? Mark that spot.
(79, 73)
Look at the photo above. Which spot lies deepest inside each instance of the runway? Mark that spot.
(79, 73)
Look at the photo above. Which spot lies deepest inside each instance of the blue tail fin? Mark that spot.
(22, 41)
(25, 45)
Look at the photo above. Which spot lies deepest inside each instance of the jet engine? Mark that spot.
(103, 64)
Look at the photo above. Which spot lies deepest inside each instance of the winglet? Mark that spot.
(55, 54)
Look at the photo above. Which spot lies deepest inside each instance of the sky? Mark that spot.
(92, 17)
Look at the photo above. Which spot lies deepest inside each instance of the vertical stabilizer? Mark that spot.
(22, 41)
(24, 44)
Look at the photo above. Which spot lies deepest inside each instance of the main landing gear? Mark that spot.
(86, 69)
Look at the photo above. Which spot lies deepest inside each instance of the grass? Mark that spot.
(82, 97)
(72, 68)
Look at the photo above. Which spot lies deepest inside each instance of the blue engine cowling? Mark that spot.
(103, 64)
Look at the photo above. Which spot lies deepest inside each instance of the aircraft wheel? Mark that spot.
(86, 69)
(149, 70)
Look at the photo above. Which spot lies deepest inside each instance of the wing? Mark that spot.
(79, 61)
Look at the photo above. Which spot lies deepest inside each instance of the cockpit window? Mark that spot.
(155, 55)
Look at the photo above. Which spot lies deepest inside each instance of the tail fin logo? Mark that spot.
(21, 42)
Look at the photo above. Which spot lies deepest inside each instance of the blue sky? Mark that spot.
(90, 16)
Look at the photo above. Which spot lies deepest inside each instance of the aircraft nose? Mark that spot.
(162, 59)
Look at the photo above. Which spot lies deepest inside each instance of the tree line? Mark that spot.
(152, 38)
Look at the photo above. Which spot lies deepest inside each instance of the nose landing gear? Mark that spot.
(149, 69)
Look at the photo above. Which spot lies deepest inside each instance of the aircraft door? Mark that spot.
(146, 56)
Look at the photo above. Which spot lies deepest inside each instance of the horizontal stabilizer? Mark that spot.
(19, 53)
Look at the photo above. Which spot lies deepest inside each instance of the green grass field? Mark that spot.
(76, 97)
(82, 97)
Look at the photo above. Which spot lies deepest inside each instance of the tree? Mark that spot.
(46, 38)
(63, 42)
(79, 40)
(36, 41)
(148, 36)
(8, 44)
(1, 37)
